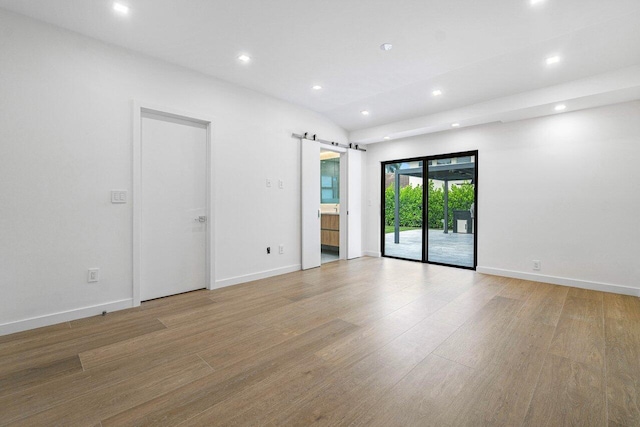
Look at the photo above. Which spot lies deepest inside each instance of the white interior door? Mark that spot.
(173, 206)
(354, 204)
(310, 209)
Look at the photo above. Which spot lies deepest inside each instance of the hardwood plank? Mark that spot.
(461, 309)
(353, 390)
(474, 342)
(367, 339)
(588, 310)
(39, 374)
(90, 408)
(151, 309)
(579, 334)
(545, 304)
(415, 344)
(262, 401)
(344, 395)
(579, 341)
(72, 336)
(500, 388)
(623, 370)
(623, 307)
(585, 293)
(169, 341)
(119, 367)
(33, 333)
(420, 397)
(198, 396)
(229, 311)
(568, 393)
(309, 290)
(314, 311)
(225, 353)
(52, 352)
(517, 289)
(365, 314)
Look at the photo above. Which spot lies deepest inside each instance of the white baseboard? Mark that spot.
(63, 316)
(372, 254)
(563, 281)
(255, 276)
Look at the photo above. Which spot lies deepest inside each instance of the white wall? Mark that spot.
(562, 189)
(66, 141)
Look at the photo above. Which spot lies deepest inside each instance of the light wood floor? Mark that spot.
(367, 342)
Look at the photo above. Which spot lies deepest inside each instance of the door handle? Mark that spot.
(201, 218)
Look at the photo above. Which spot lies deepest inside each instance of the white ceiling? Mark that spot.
(473, 50)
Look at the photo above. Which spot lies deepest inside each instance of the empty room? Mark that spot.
(286, 213)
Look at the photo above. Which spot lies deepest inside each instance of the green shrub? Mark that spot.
(461, 197)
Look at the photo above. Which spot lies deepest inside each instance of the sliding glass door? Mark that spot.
(403, 214)
(451, 211)
(434, 219)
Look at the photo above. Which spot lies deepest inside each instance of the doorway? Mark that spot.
(172, 215)
(342, 201)
(330, 181)
(432, 220)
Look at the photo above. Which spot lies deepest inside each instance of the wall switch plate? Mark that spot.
(268, 182)
(118, 196)
(536, 264)
(281, 249)
(93, 275)
(280, 184)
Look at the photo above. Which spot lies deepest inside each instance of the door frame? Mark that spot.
(425, 206)
(139, 109)
(342, 250)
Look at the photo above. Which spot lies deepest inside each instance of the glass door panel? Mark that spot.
(403, 210)
(451, 211)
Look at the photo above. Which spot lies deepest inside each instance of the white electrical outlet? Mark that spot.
(93, 275)
(118, 196)
(280, 184)
(281, 249)
(536, 264)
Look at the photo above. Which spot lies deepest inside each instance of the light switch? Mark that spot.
(268, 182)
(118, 196)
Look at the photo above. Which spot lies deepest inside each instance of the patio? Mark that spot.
(450, 248)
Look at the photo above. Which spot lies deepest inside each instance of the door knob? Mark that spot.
(201, 218)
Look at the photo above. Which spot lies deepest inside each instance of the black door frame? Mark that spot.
(425, 203)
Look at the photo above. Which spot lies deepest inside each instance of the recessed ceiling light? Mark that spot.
(244, 58)
(436, 92)
(455, 125)
(535, 2)
(364, 112)
(560, 107)
(121, 8)
(386, 46)
(387, 137)
(316, 87)
(553, 60)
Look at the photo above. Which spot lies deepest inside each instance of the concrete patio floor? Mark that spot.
(451, 248)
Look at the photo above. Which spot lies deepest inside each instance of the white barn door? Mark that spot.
(310, 201)
(354, 204)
